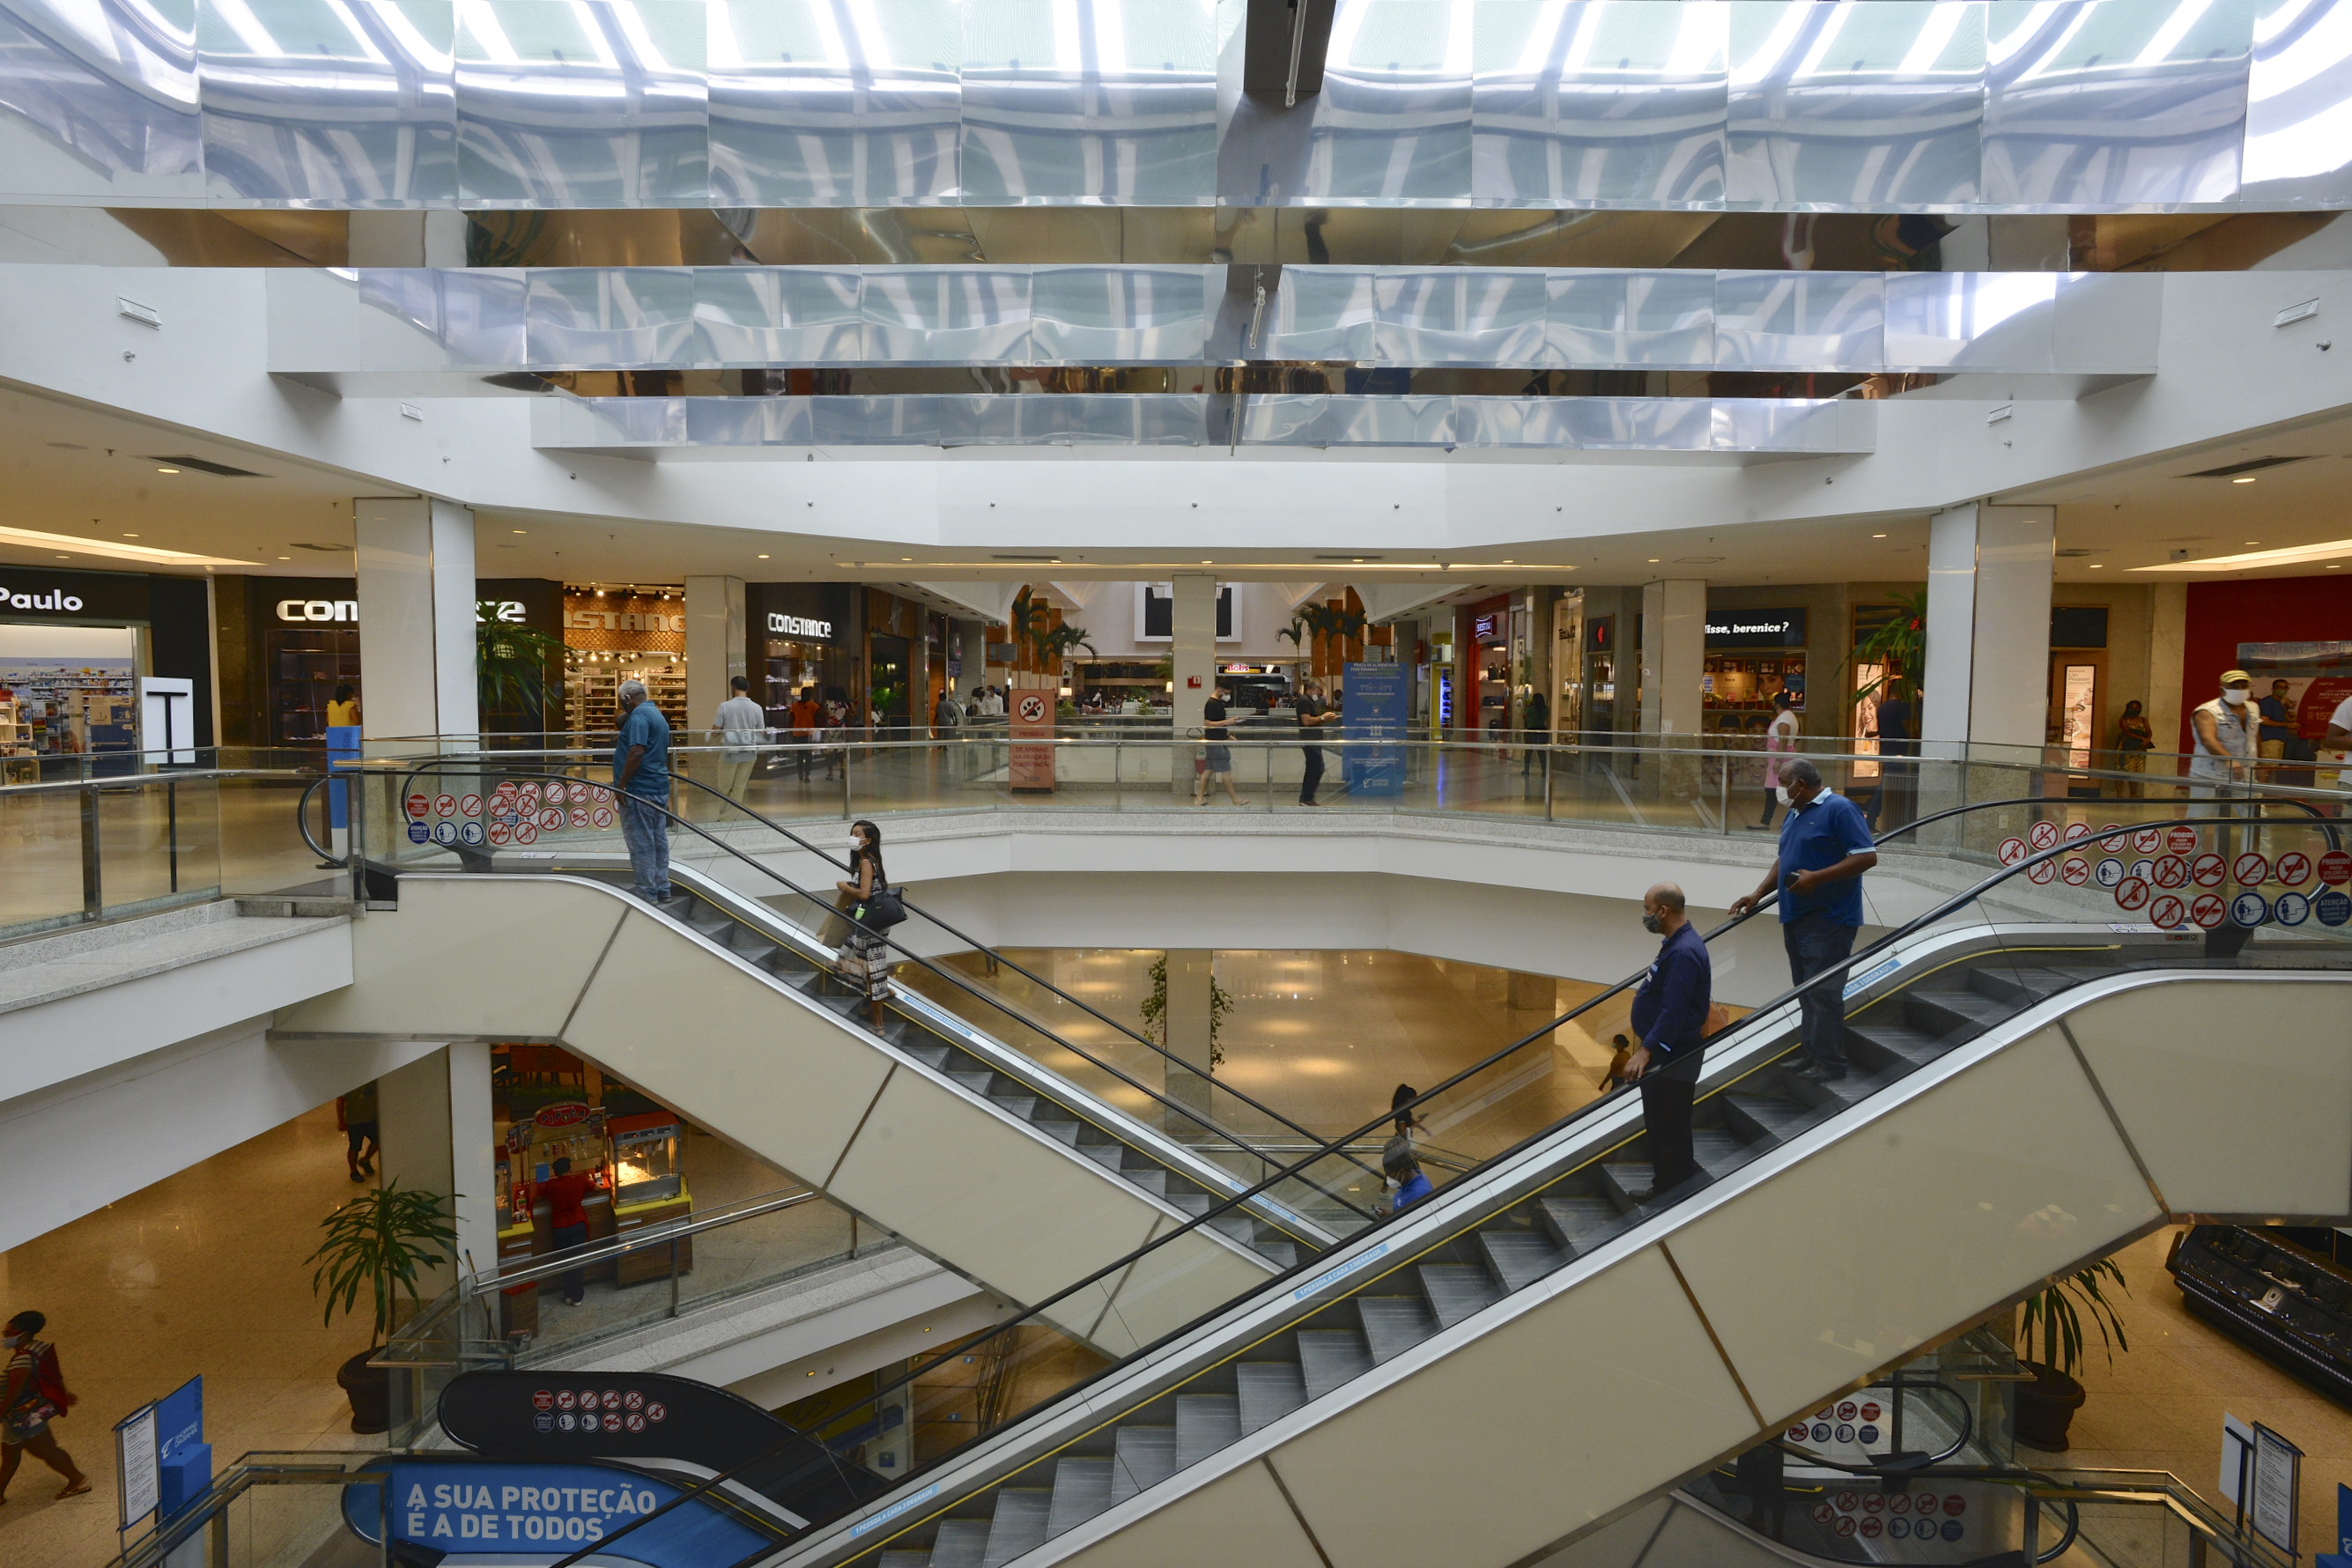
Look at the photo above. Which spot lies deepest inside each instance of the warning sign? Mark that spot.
(2043, 835)
(2333, 906)
(2075, 830)
(2251, 869)
(2207, 870)
(2075, 870)
(2168, 912)
(578, 817)
(557, 790)
(2180, 840)
(2170, 871)
(2012, 850)
(1031, 706)
(2131, 893)
(417, 806)
(2294, 868)
(501, 834)
(2250, 909)
(2208, 910)
(444, 806)
(2042, 872)
(526, 834)
(2336, 867)
(602, 816)
(2147, 840)
(2291, 910)
(550, 818)
(471, 806)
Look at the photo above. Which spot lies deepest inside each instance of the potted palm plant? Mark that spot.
(377, 1243)
(2053, 1324)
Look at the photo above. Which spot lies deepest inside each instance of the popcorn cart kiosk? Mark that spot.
(648, 1190)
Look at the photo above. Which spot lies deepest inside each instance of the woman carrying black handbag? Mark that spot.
(863, 960)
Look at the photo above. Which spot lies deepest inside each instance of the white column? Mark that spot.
(1674, 655)
(715, 645)
(2167, 652)
(1988, 679)
(413, 1126)
(415, 560)
(1192, 650)
(1190, 1019)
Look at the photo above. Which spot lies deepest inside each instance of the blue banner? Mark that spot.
(527, 1512)
(1373, 708)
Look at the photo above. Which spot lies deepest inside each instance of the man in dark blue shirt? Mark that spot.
(1825, 847)
(1670, 1018)
(641, 775)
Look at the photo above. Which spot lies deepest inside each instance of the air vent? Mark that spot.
(1038, 560)
(321, 548)
(2072, 554)
(205, 465)
(2248, 467)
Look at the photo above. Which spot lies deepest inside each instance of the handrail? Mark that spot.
(1764, 1011)
(950, 976)
(659, 1233)
(136, 781)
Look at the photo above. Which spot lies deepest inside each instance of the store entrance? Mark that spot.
(2077, 712)
(886, 678)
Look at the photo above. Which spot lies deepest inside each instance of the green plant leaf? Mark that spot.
(376, 1241)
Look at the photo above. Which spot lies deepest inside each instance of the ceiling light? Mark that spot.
(522, 531)
(2243, 480)
(2098, 566)
(2288, 557)
(65, 557)
(167, 470)
(129, 536)
(146, 553)
(1653, 561)
(1878, 536)
(2250, 542)
(285, 558)
(763, 558)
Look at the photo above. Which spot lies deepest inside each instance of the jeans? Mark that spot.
(1666, 1096)
(1312, 779)
(1816, 942)
(646, 829)
(570, 1238)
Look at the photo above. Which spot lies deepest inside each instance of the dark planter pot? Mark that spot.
(2046, 1406)
(369, 1388)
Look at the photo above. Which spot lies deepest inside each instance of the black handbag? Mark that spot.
(881, 909)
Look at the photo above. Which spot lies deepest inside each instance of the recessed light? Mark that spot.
(129, 536)
(522, 531)
(1878, 536)
(2098, 566)
(1653, 561)
(65, 557)
(285, 558)
(167, 470)
(2243, 480)
(2251, 542)
(763, 558)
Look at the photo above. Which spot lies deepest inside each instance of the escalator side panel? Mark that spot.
(511, 966)
(1550, 1421)
(2278, 1144)
(2007, 1172)
(1627, 1543)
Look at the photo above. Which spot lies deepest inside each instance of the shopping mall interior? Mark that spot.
(902, 784)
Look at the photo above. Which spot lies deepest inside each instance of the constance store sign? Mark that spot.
(799, 627)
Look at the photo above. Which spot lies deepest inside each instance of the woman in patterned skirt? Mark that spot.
(863, 960)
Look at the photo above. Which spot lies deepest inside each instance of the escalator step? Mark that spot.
(1576, 1221)
(1106, 1155)
(1713, 1148)
(1154, 1179)
(929, 1055)
(1330, 1357)
(1282, 1254)
(919, 1558)
(1776, 1120)
(1019, 1526)
(1455, 1290)
(1270, 1390)
(1142, 1457)
(2023, 985)
(1883, 1045)
(1081, 1490)
(1019, 1106)
(961, 1543)
(1067, 1132)
(1205, 1422)
(1519, 1258)
(1195, 1204)
(1394, 1324)
(977, 1083)
(1946, 1013)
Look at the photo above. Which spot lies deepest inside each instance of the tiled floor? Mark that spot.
(2158, 1406)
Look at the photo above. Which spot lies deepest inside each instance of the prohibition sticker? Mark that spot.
(2111, 835)
(417, 805)
(2250, 909)
(550, 818)
(2180, 840)
(578, 817)
(556, 790)
(2295, 867)
(471, 806)
(2207, 870)
(2291, 910)
(2109, 872)
(2170, 871)
(2131, 893)
(444, 806)
(2075, 870)
(2336, 867)
(1871, 1529)
(1844, 1527)
(1030, 706)
(2041, 871)
(602, 816)
(2167, 912)
(500, 833)
(2075, 830)
(2208, 910)
(2043, 835)
(2147, 840)
(2012, 850)
(526, 834)
(2251, 869)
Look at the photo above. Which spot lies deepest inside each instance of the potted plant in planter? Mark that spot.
(375, 1243)
(2052, 1323)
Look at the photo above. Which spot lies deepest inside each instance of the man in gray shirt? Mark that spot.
(742, 725)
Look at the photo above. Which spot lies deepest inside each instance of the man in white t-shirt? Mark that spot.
(2221, 735)
(742, 725)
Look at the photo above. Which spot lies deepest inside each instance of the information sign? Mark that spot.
(2250, 909)
(2333, 906)
(2109, 872)
(1373, 699)
(2180, 840)
(137, 1465)
(2291, 910)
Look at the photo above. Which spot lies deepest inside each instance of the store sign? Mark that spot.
(55, 599)
(1756, 628)
(300, 612)
(507, 610)
(799, 627)
(592, 620)
(105, 596)
(1489, 627)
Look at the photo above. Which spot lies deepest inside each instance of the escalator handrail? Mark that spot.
(950, 976)
(1765, 1011)
(913, 907)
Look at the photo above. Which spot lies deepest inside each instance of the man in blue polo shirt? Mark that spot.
(1825, 847)
(641, 775)
(1670, 1016)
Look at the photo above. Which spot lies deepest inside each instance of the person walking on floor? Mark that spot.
(1217, 752)
(567, 1223)
(1780, 737)
(34, 1395)
(356, 1110)
(863, 960)
(641, 778)
(742, 724)
(1314, 716)
(1669, 1018)
(1824, 850)
(1535, 729)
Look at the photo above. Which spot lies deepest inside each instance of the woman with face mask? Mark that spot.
(863, 959)
(34, 1395)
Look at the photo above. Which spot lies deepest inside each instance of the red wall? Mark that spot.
(2276, 609)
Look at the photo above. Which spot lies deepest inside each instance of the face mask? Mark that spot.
(2233, 697)
(1650, 923)
(1782, 791)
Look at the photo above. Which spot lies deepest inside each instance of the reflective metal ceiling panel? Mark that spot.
(1392, 122)
(1119, 315)
(1104, 101)
(474, 318)
(2112, 104)
(1637, 424)
(1659, 321)
(582, 103)
(946, 315)
(1869, 106)
(1599, 102)
(1799, 320)
(834, 102)
(1458, 315)
(98, 98)
(343, 103)
(1323, 313)
(1953, 321)
(2298, 150)
(609, 318)
(759, 316)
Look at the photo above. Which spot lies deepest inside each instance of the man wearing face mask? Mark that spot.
(1825, 847)
(2224, 741)
(1670, 1018)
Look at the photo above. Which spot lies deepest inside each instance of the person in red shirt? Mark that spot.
(567, 1223)
(806, 717)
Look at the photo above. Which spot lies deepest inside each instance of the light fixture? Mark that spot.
(2288, 557)
(2098, 566)
(522, 531)
(285, 558)
(763, 558)
(1878, 536)
(1653, 561)
(65, 557)
(129, 536)
(167, 470)
(147, 553)
(2250, 542)
(2243, 480)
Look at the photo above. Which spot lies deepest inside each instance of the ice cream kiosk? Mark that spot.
(648, 1189)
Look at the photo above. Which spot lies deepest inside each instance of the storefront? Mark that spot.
(1488, 700)
(801, 635)
(83, 655)
(1751, 657)
(613, 633)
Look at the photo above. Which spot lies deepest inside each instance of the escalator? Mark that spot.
(1531, 1353)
